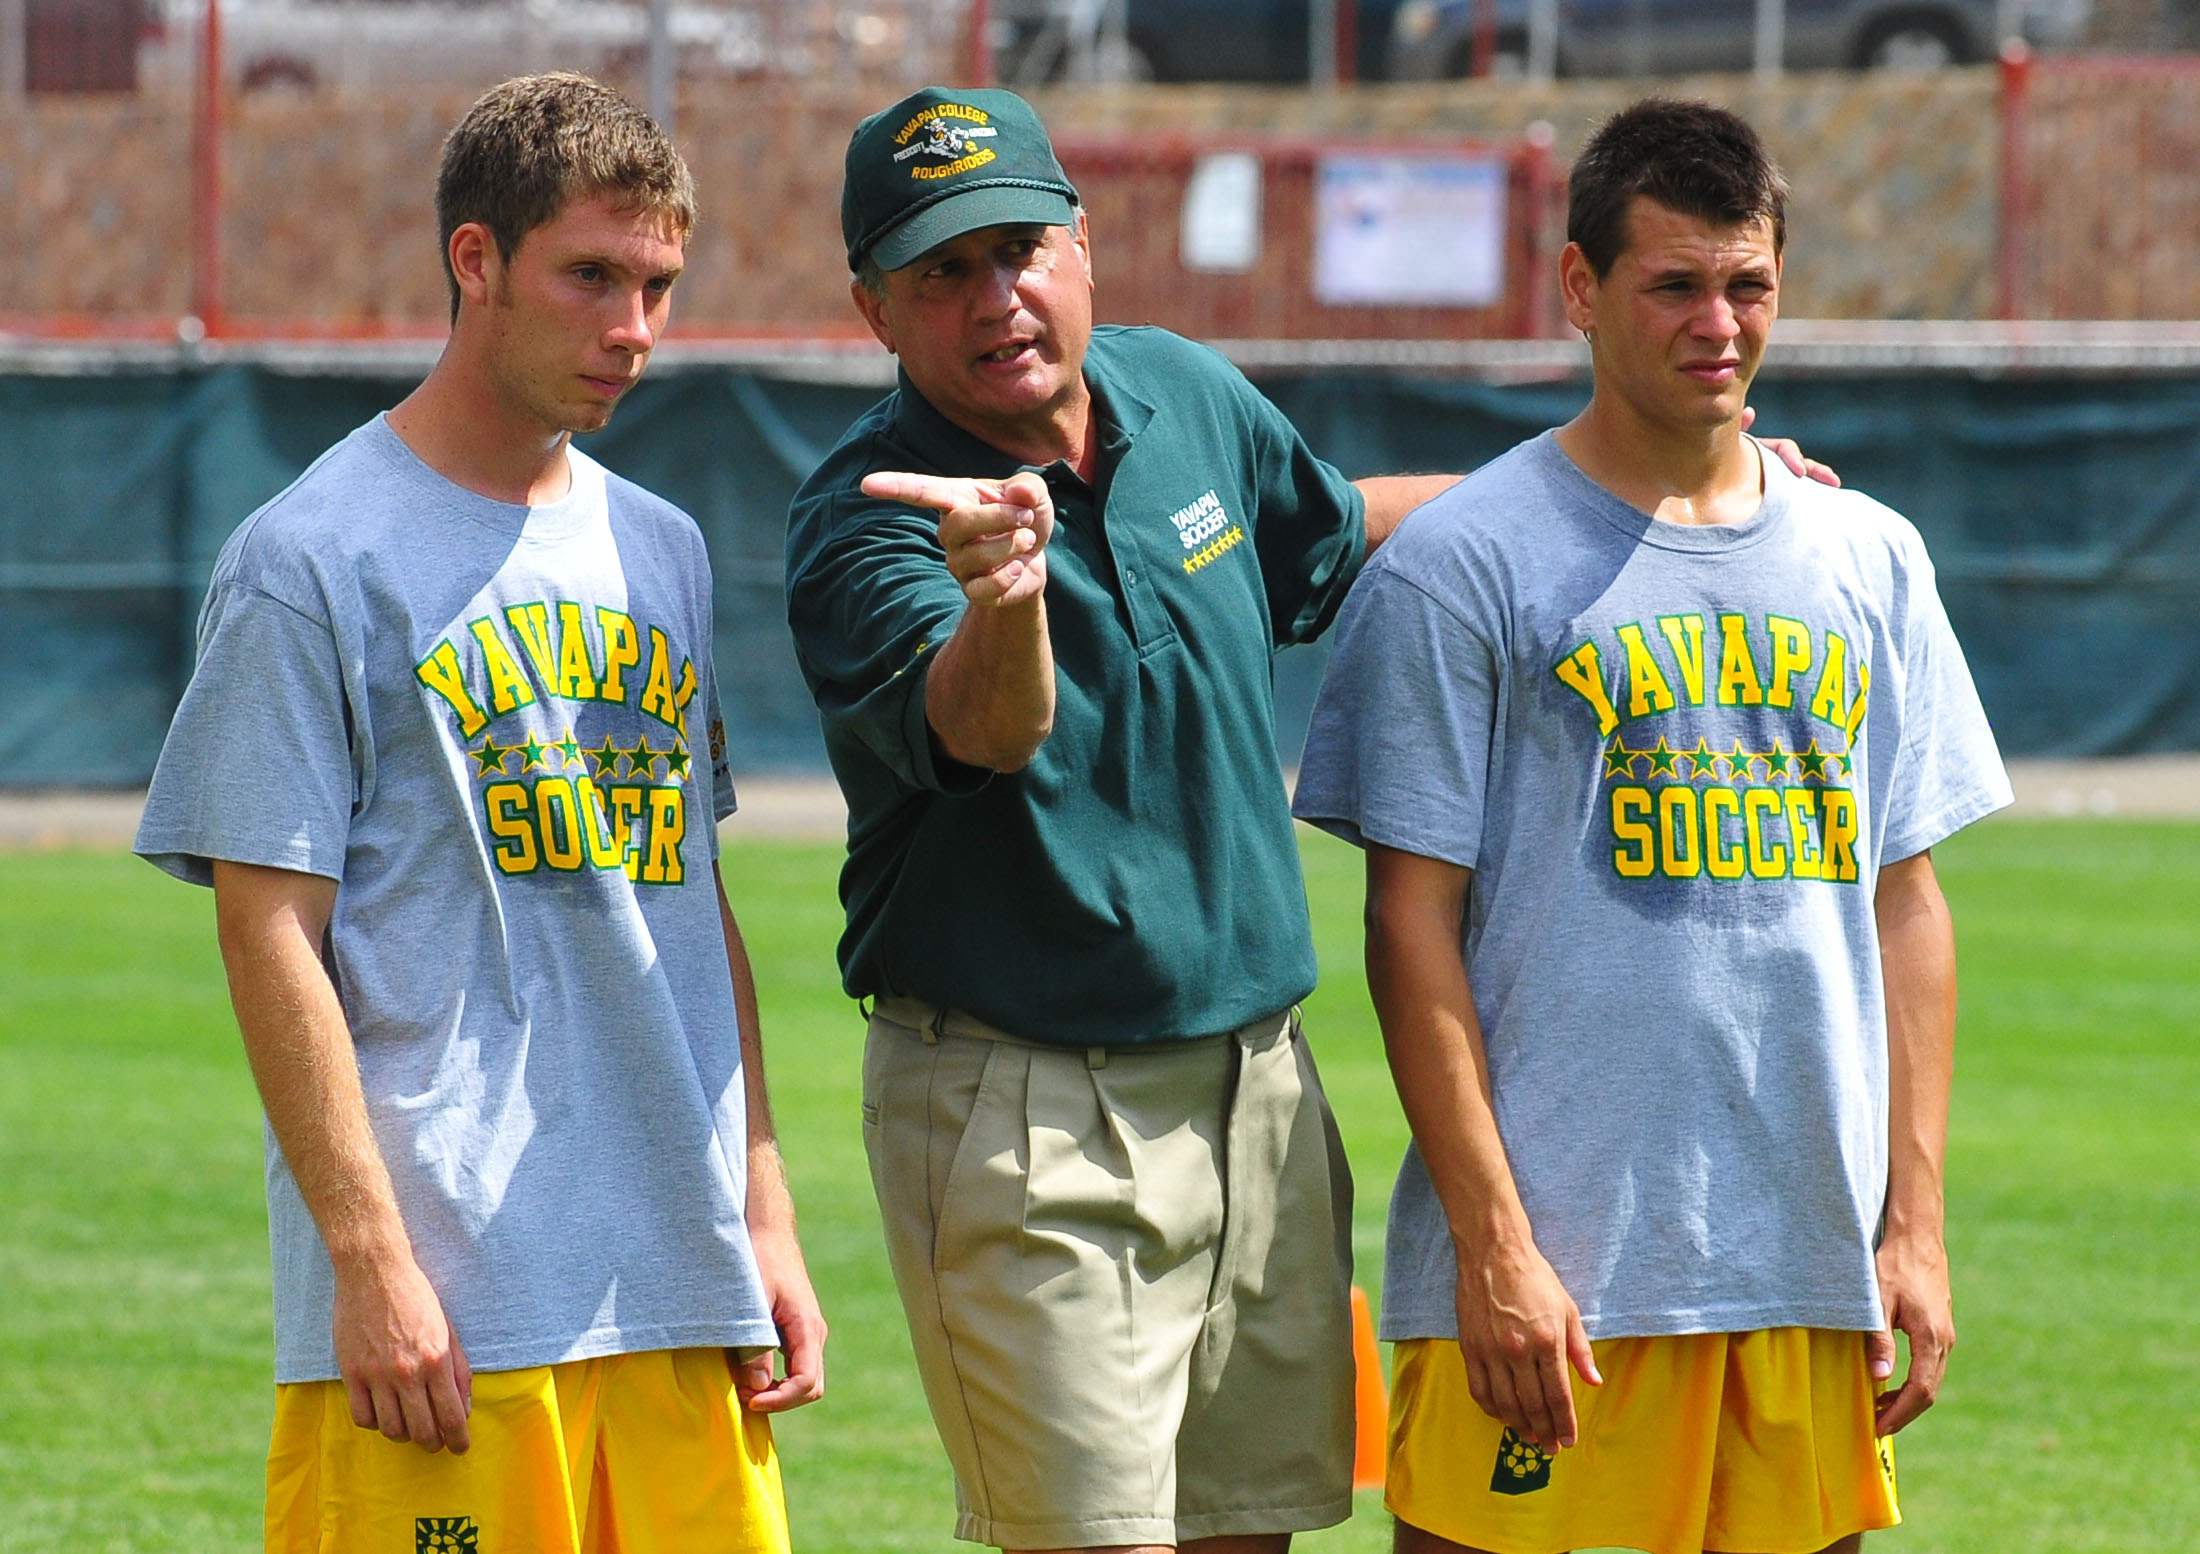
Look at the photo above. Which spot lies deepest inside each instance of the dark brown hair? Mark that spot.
(1689, 157)
(532, 144)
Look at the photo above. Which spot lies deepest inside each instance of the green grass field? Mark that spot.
(134, 1394)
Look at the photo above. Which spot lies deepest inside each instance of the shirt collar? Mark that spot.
(1120, 413)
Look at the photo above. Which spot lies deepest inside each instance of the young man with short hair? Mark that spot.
(524, 1193)
(1648, 743)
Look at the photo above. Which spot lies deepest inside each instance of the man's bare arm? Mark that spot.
(402, 1365)
(1390, 497)
(1518, 1328)
(1917, 950)
(989, 695)
(779, 1261)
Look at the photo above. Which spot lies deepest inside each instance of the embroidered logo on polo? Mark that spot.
(549, 801)
(446, 1535)
(1522, 1467)
(1716, 768)
(1206, 530)
(951, 134)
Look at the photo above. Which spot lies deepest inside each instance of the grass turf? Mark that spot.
(134, 1398)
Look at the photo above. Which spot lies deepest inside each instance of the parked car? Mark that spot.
(1173, 40)
(1430, 39)
(305, 44)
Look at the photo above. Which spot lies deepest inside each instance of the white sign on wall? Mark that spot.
(1222, 213)
(1409, 230)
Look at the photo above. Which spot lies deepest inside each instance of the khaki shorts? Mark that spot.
(1127, 1273)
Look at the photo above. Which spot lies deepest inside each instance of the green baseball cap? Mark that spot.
(942, 162)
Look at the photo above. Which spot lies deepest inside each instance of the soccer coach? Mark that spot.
(1036, 592)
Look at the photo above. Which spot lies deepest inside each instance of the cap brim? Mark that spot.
(999, 206)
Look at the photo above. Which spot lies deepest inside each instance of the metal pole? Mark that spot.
(664, 71)
(1321, 43)
(1771, 49)
(979, 64)
(2016, 214)
(206, 181)
(1542, 39)
(14, 47)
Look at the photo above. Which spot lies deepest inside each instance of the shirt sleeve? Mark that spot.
(1947, 770)
(257, 767)
(1399, 750)
(1310, 529)
(723, 800)
(869, 610)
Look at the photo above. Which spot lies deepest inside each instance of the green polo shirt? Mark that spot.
(1139, 880)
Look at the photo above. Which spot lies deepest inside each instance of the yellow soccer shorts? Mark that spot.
(1758, 1442)
(647, 1453)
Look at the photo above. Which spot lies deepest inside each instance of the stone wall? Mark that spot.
(1895, 210)
(328, 219)
(94, 208)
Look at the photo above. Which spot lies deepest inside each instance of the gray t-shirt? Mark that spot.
(1675, 758)
(497, 728)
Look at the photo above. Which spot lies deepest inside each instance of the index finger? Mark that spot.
(1919, 1389)
(1531, 1386)
(935, 491)
(805, 1379)
(1558, 1396)
(449, 1408)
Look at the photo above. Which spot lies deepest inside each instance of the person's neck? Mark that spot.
(1063, 431)
(1686, 475)
(462, 428)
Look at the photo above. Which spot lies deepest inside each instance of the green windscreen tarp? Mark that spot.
(2063, 515)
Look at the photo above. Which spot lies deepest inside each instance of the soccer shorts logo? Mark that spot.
(446, 1535)
(1522, 1467)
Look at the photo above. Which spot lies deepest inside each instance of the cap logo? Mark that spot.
(950, 131)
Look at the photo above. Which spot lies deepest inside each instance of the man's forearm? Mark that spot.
(1519, 1329)
(989, 695)
(1390, 497)
(770, 1205)
(1434, 1045)
(1918, 960)
(299, 1046)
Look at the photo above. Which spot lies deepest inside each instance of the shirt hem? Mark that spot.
(1404, 1326)
(528, 1354)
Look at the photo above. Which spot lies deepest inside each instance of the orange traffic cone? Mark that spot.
(1371, 1400)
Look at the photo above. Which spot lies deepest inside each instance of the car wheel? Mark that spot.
(277, 71)
(1914, 41)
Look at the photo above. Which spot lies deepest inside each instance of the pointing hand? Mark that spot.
(994, 532)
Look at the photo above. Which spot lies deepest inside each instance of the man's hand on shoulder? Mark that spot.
(403, 1367)
(801, 1324)
(1518, 1332)
(994, 532)
(1785, 450)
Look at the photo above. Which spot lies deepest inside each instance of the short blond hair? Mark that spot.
(528, 147)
